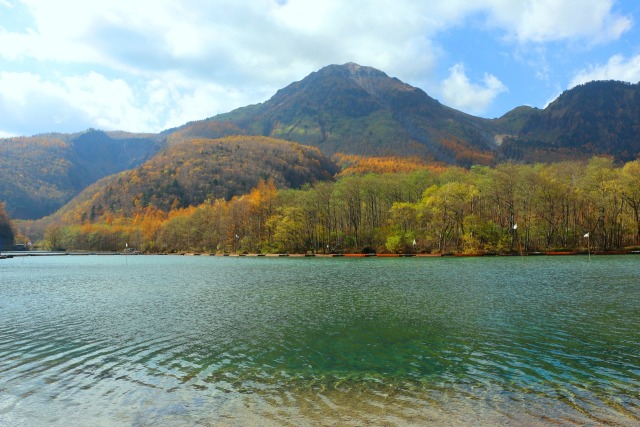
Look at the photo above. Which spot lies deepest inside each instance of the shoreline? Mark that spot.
(17, 254)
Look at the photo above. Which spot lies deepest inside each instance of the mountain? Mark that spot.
(359, 110)
(195, 170)
(600, 117)
(351, 110)
(41, 173)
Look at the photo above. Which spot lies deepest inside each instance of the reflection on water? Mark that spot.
(254, 341)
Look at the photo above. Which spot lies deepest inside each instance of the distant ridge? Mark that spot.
(41, 173)
(600, 117)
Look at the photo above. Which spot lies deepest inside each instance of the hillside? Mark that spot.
(39, 174)
(196, 170)
(601, 117)
(359, 110)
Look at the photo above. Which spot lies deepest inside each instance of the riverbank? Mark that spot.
(310, 255)
(375, 255)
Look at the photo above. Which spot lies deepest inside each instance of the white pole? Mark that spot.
(515, 229)
(588, 236)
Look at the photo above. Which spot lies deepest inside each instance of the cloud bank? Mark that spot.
(147, 65)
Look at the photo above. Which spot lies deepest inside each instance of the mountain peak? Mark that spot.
(351, 69)
(357, 109)
(375, 82)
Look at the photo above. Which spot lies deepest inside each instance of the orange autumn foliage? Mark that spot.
(353, 164)
(466, 154)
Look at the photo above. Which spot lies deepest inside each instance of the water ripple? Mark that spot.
(331, 342)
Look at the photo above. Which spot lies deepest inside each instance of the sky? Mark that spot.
(148, 65)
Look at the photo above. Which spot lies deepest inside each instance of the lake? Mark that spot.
(173, 341)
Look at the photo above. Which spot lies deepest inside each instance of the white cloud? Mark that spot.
(617, 68)
(78, 102)
(539, 21)
(174, 100)
(552, 20)
(90, 99)
(459, 92)
(28, 102)
(163, 33)
(230, 40)
(203, 57)
(211, 55)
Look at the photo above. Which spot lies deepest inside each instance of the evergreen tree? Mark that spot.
(6, 229)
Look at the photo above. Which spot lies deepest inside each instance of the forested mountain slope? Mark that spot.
(196, 170)
(39, 174)
(601, 117)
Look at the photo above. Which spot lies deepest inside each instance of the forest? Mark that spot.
(508, 208)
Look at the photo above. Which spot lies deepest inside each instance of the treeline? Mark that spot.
(508, 208)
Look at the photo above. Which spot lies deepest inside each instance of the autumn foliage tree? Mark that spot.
(504, 209)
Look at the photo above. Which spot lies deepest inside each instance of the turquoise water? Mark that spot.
(168, 340)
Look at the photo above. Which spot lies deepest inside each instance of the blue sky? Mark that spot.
(147, 65)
